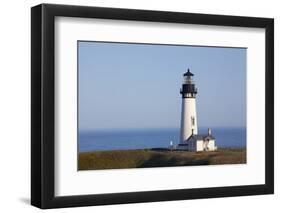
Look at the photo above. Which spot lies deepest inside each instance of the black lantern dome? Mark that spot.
(188, 73)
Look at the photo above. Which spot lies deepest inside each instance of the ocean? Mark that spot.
(152, 138)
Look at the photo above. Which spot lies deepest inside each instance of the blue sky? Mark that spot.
(137, 85)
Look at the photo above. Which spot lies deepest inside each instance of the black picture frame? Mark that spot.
(43, 102)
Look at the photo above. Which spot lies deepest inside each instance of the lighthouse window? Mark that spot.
(192, 121)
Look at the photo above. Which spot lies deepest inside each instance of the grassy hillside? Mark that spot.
(157, 158)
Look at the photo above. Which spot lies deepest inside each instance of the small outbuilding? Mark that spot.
(196, 143)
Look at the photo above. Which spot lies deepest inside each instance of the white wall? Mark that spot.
(15, 105)
(188, 111)
(212, 145)
(199, 146)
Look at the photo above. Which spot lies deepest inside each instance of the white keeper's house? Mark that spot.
(190, 140)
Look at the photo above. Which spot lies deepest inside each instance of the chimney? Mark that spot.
(209, 131)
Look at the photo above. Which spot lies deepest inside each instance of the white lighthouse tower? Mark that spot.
(188, 114)
(190, 140)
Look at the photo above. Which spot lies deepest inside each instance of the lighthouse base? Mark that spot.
(198, 143)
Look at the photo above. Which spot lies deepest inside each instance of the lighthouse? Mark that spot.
(188, 114)
(190, 140)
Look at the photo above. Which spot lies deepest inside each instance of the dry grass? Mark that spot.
(158, 158)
